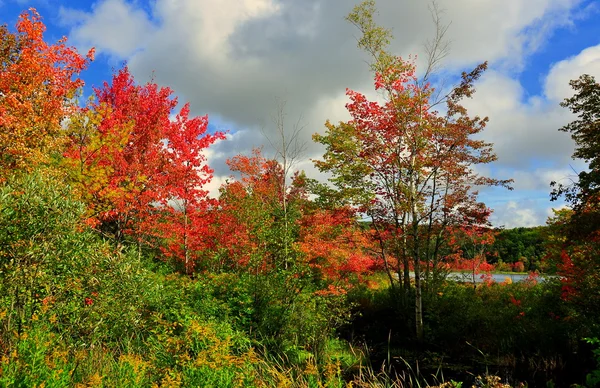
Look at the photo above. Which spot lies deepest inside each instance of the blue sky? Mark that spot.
(233, 59)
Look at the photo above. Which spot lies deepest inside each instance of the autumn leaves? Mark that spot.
(139, 166)
(38, 83)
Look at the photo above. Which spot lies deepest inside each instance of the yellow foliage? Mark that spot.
(137, 363)
(171, 380)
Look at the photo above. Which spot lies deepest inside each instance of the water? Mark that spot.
(496, 277)
(467, 277)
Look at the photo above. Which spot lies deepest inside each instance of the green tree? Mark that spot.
(53, 264)
(584, 195)
(580, 263)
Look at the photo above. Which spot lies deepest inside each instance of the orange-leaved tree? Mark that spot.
(325, 243)
(38, 86)
(251, 219)
(334, 245)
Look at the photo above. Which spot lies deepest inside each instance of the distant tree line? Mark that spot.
(525, 245)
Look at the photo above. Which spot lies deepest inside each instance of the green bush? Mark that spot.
(283, 313)
(516, 319)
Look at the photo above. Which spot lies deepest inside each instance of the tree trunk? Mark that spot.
(185, 240)
(418, 296)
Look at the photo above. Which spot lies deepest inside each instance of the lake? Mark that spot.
(496, 277)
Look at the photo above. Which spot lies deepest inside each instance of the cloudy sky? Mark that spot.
(234, 59)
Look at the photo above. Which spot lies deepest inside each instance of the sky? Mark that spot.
(236, 60)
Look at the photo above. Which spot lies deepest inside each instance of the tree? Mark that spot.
(403, 164)
(584, 195)
(325, 243)
(581, 244)
(576, 261)
(142, 173)
(187, 219)
(251, 209)
(470, 246)
(38, 84)
(289, 149)
(511, 245)
(334, 245)
(89, 157)
(138, 178)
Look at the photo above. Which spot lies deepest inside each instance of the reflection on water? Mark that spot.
(483, 277)
(497, 277)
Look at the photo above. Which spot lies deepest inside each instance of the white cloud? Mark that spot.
(498, 31)
(540, 178)
(232, 57)
(526, 136)
(205, 26)
(114, 27)
(520, 213)
(523, 132)
(557, 83)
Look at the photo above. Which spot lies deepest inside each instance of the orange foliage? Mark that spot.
(38, 83)
(334, 244)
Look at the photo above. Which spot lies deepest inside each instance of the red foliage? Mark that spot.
(331, 290)
(470, 244)
(515, 301)
(152, 169)
(532, 278)
(486, 267)
(188, 219)
(252, 228)
(579, 271)
(519, 266)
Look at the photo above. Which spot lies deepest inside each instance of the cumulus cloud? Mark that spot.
(523, 132)
(526, 135)
(557, 83)
(114, 27)
(232, 58)
(520, 213)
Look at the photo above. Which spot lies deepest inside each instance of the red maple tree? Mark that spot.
(142, 171)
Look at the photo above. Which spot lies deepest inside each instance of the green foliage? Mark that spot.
(593, 378)
(53, 264)
(74, 310)
(585, 103)
(280, 312)
(520, 244)
(517, 319)
(375, 39)
(40, 246)
(513, 327)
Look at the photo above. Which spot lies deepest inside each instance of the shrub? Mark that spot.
(519, 266)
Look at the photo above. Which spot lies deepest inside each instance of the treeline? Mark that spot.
(521, 245)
